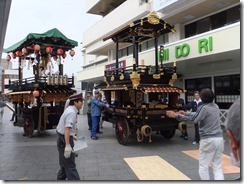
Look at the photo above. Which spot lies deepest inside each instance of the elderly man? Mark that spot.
(96, 105)
(66, 131)
(233, 131)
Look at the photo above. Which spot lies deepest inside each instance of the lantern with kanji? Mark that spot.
(49, 50)
(36, 93)
(25, 51)
(60, 52)
(14, 55)
(18, 53)
(36, 47)
(8, 57)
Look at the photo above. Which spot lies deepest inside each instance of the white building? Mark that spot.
(206, 45)
(6, 74)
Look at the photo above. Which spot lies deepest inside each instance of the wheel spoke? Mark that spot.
(122, 131)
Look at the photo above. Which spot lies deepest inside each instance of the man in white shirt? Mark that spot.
(66, 131)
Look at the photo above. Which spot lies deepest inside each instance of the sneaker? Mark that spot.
(99, 132)
(195, 142)
(94, 138)
(186, 138)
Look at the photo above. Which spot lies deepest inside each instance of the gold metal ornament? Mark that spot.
(153, 18)
(112, 78)
(156, 76)
(174, 76)
(121, 77)
(135, 79)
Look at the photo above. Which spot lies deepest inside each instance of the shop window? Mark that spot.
(190, 29)
(192, 85)
(150, 44)
(218, 20)
(233, 15)
(130, 50)
(227, 90)
(143, 46)
(163, 39)
(122, 52)
(203, 25)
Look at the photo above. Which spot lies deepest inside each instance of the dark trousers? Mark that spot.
(89, 120)
(67, 165)
(197, 136)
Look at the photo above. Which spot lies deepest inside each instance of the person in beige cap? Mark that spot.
(66, 131)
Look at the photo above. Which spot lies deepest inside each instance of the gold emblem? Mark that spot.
(156, 76)
(153, 18)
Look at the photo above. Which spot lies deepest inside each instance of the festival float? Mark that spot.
(141, 94)
(39, 100)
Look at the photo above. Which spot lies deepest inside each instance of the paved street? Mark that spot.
(36, 158)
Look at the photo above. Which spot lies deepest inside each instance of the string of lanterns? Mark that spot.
(49, 50)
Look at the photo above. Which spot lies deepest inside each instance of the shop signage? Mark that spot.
(204, 45)
(113, 65)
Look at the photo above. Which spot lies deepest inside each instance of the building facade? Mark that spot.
(7, 72)
(206, 45)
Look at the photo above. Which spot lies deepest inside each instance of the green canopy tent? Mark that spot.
(53, 38)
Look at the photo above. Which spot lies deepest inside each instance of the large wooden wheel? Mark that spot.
(28, 127)
(168, 134)
(122, 131)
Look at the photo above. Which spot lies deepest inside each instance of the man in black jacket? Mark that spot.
(179, 105)
(193, 107)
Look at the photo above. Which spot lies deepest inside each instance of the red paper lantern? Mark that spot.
(36, 47)
(8, 57)
(60, 52)
(25, 51)
(18, 53)
(36, 93)
(14, 55)
(71, 53)
(49, 50)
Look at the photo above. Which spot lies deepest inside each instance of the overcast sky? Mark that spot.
(39, 16)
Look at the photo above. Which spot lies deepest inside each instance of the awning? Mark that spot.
(19, 93)
(168, 89)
